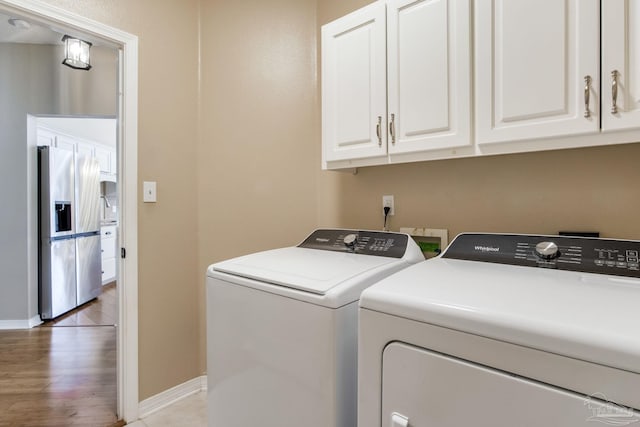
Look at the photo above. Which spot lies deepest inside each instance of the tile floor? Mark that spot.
(188, 412)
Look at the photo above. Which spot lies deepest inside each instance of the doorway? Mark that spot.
(37, 13)
(93, 141)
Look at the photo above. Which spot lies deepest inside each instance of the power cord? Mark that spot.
(386, 209)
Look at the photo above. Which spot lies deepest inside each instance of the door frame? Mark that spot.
(127, 45)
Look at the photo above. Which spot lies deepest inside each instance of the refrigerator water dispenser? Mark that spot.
(63, 216)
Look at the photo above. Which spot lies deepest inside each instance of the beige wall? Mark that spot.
(257, 158)
(584, 189)
(592, 189)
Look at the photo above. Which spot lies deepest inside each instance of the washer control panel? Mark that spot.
(379, 243)
(584, 254)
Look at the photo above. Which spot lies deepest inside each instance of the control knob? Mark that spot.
(547, 250)
(350, 241)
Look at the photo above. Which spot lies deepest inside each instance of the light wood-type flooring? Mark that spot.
(54, 376)
(102, 311)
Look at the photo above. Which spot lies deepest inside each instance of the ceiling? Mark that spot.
(35, 34)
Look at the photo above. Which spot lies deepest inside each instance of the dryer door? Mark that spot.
(421, 388)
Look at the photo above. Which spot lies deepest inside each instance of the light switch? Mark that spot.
(398, 420)
(149, 191)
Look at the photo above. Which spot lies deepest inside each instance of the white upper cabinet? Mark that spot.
(396, 82)
(105, 155)
(85, 148)
(354, 85)
(45, 138)
(537, 68)
(65, 143)
(620, 64)
(412, 80)
(429, 75)
(108, 159)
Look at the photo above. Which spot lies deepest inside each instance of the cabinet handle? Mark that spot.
(378, 131)
(392, 128)
(587, 86)
(614, 92)
(107, 233)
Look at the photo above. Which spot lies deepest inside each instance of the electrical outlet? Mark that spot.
(387, 201)
(149, 192)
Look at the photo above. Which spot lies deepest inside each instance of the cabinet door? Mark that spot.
(113, 161)
(104, 158)
(108, 247)
(65, 143)
(429, 74)
(86, 149)
(354, 85)
(45, 138)
(620, 56)
(108, 270)
(532, 58)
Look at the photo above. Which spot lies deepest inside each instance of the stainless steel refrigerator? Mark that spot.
(69, 228)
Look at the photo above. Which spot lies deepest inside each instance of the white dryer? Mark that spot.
(282, 328)
(504, 331)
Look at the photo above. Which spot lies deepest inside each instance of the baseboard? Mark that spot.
(35, 321)
(167, 397)
(20, 324)
(14, 324)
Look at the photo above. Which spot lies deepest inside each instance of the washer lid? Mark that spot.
(304, 269)
(587, 316)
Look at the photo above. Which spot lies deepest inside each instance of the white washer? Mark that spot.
(282, 328)
(503, 331)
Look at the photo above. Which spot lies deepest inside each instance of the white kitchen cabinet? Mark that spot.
(396, 81)
(104, 158)
(107, 158)
(429, 75)
(537, 69)
(108, 248)
(45, 138)
(105, 155)
(354, 85)
(65, 143)
(620, 64)
(85, 148)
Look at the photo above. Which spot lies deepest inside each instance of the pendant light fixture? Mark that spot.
(76, 53)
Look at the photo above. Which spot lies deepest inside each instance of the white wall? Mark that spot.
(33, 81)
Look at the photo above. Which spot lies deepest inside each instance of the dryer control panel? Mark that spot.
(583, 254)
(378, 243)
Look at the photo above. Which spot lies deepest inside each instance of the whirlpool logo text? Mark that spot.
(486, 249)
